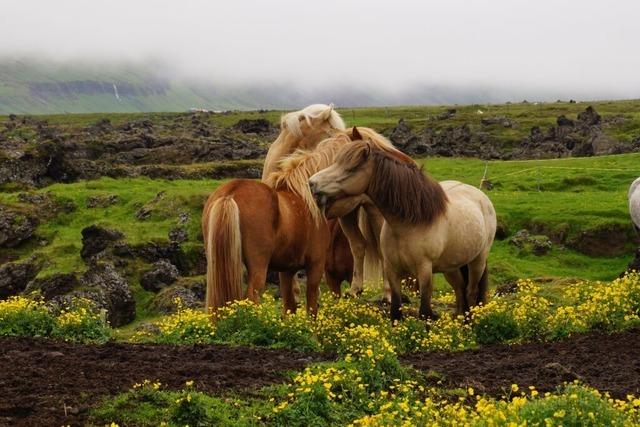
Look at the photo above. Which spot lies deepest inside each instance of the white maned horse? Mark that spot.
(634, 203)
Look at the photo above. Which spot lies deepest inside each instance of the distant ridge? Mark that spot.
(38, 86)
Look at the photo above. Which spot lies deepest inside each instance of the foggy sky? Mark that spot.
(587, 46)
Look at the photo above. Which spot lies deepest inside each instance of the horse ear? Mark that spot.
(367, 151)
(355, 134)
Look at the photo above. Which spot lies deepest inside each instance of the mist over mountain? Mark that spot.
(41, 86)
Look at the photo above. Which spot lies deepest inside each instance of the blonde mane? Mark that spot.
(296, 169)
(383, 143)
(291, 121)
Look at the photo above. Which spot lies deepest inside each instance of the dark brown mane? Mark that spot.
(402, 189)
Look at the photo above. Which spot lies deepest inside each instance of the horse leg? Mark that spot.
(295, 286)
(314, 274)
(286, 292)
(396, 292)
(478, 279)
(457, 280)
(483, 286)
(425, 281)
(333, 282)
(256, 279)
(349, 224)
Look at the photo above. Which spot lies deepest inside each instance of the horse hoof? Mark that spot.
(431, 315)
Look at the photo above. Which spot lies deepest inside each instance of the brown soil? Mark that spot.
(38, 378)
(607, 362)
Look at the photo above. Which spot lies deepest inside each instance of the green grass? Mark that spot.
(566, 196)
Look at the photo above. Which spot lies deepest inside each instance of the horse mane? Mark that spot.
(402, 189)
(295, 170)
(291, 121)
(383, 143)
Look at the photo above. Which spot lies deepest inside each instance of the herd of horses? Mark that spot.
(346, 204)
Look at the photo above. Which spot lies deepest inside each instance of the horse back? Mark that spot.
(258, 206)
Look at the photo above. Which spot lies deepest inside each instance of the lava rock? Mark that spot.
(95, 239)
(109, 290)
(538, 245)
(14, 276)
(258, 126)
(178, 235)
(161, 275)
(15, 227)
(589, 117)
(53, 286)
(165, 301)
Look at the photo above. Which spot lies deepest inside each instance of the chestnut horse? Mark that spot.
(429, 227)
(305, 129)
(262, 226)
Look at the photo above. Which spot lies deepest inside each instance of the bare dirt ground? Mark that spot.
(610, 363)
(39, 378)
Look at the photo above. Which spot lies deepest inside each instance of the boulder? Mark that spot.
(95, 239)
(15, 227)
(14, 276)
(53, 286)
(102, 201)
(259, 126)
(165, 301)
(161, 275)
(109, 290)
(538, 245)
(589, 117)
(500, 120)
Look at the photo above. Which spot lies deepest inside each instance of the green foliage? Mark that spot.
(24, 317)
(576, 406)
(494, 327)
(80, 322)
(149, 404)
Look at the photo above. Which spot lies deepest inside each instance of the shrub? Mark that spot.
(21, 316)
(80, 322)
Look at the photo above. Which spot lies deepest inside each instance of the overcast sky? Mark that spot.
(587, 45)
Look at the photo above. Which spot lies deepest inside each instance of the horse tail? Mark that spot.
(483, 286)
(224, 253)
(372, 256)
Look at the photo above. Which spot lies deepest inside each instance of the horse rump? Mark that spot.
(223, 247)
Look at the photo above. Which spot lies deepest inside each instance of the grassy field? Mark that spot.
(564, 197)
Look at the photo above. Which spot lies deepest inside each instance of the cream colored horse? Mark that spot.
(305, 129)
(429, 227)
(634, 203)
(302, 129)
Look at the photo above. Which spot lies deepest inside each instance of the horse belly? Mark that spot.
(466, 239)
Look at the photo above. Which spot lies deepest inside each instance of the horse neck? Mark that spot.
(396, 221)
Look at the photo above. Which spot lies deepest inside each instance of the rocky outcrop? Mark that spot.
(538, 245)
(161, 275)
(53, 286)
(139, 147)
(583, 136)
(15, 226)
(166, 301)
(109, 290)
(578, 138)
(14, 276)
(96, 239)
(259, 126)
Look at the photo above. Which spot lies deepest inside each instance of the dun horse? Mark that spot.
(262, 226)
(429, 227)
